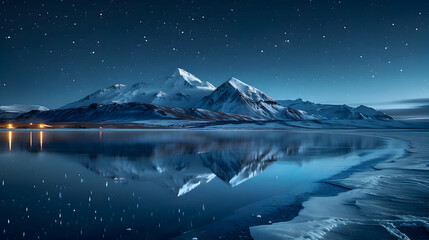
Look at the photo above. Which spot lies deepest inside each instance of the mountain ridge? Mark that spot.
(180, 89)
(235, 96)
(335, 112)
(127, 112)
(14, 110)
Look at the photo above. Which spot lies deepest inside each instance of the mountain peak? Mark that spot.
(180, 89)
(238, 84)
(235, 96)
(187, 76)
(181, 71)
(119, 85)
(249, 91)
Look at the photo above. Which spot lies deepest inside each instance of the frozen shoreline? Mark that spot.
(390, 201)
(286, 206)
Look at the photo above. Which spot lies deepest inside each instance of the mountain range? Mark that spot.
(334, 112)
(13, 111)
(128, 112)
(235, 96)
(184, 96)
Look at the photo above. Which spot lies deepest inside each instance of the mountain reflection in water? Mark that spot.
(160, 184)
(182, 160)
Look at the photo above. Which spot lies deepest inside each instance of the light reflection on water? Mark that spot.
(41, 140)
(10, 140)
(154, 184)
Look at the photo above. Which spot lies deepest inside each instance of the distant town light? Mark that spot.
(10, 126)
(41, 125)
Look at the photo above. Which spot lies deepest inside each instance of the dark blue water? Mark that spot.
(155, 184)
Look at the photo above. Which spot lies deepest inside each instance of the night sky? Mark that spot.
(353, 52)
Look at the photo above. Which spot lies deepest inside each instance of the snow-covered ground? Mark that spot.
(388, 202)
(324, 124)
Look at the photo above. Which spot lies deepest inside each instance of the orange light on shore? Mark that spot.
(100, 127)
(10, 126)
(41, 125)
(31, 124)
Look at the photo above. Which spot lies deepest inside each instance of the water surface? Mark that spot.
(156, 184)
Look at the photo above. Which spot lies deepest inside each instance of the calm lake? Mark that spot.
(158, 184)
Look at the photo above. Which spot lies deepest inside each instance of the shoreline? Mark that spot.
(339, 215)
(288, 206)
(274, 210)
(174, 124)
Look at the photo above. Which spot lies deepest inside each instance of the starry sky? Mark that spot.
(348, 51)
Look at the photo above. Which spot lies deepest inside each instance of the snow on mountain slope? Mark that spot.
(13, 111)
(127, 112)
(335, 112)
(181, 89)
(372, 113)
(235, 96)
(17, 108)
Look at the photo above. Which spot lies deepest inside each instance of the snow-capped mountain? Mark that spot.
(335, 112)
(127, 112)
(184, 90)
(13, 111)
(235, 96)
(181, 89)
